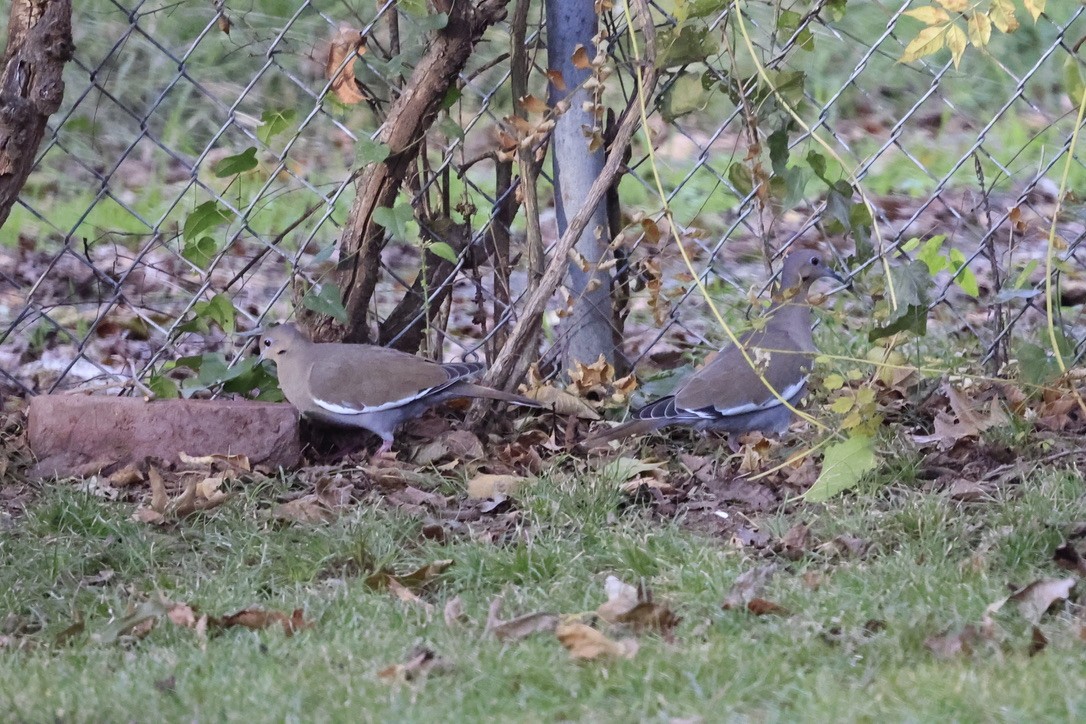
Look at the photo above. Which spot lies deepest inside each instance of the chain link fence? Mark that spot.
(203, 165)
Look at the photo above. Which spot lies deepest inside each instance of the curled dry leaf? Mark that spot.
(258, 619)
(586, 643)
(307, 509)
(562, 402)
(1034, 600)
(519, 627)
(238, 462)
(635, 607)
(343, 51)
(763, 607)
(419, 662)
(414, 581)
(488, 486)
(748, 586)
(454, 612)
(950, 644)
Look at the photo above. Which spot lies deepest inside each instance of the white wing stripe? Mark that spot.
(772, 402)
(345, 410)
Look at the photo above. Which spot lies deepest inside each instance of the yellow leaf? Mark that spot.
(487, 485)
(980, 30)
(1002, 15)
(928, 41)
(1034, 7)
(842, 405)
(929, 15)
(954, 6)
(955, 40)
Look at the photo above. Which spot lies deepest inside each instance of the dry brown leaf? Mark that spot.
(1068, 558)
(748, 585)
(454, 612)
(258, 619)
(562, 402)
(406, 595)
(159, 498)
(128, 475)
(239, 462)
(453, 444)
(621, 599)
(586, 643)
(343, 51)
(488, 486)
(636, 608)
(1034, 600)
(763, 607)
(793, 544)
(419, 662)
(307, 509)
(524, 626)
(556, 79)
(1037, 641)
(533, 105)
(580, 58)
(415, 580)
(950, 644)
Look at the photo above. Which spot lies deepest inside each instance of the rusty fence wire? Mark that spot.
(200, 172)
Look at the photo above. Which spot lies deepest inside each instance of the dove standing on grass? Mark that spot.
(732, 395)
(361, 385)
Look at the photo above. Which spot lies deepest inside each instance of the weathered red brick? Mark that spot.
(83, 434)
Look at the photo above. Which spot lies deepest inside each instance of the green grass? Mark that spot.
(932, 565)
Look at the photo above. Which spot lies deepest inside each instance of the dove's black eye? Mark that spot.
(814, 261)
(267, 341)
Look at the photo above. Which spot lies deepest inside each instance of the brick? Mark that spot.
(73, 435)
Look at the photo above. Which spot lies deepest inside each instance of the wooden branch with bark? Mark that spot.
(410, 116)
(31, 87)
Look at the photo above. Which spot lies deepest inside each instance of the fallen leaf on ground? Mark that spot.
(488, 485)
(519, 627)
(406, 595)
(454, 444)
(239, 462)
(586, 643)
(138, 621)
(950, 644)
(415, 580)
(1068, 558)
(307, 509)
(128, 475)
(1036, 598)
(635, 607)
(562, 402)
(258, 619)
(793, 544)
(419, 662)
(1037, 641)
(762, 607)
(454, 612)
(748, 585)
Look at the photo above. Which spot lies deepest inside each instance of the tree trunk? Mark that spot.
(586, 333)
(408, 120)
(31, 87)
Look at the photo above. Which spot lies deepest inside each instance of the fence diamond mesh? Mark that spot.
(202, 168)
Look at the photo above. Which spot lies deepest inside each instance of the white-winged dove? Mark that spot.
(729, 394)
(362, 385)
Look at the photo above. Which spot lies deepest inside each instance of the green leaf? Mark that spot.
(817, 162)
(684, 44)
(740, 178)
(443, 250)
(685, 95)
(272, 123)
(204, 217)
(450, 128)
(451, 97)
(966, 279)
(432, 21)
(238, 163)
(699, 8)
(200, 251)
(163, 387)
(843, 466)
(836, 8)
(778, 150)
(1073, 83)
(326, 300)
(1034, 365)
(930, 254)
(395, 220)
(369, 151)
(911, 285)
